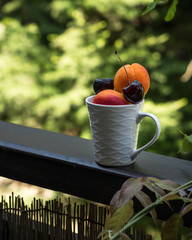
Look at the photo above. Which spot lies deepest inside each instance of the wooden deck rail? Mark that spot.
(66, 164)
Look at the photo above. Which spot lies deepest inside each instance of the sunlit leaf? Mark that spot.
(172, 228)
(162, 1)
(186, 209)
(127, 192)
(121, 216)
(145, 200)
(165, 184)
(153, 179)
(172, 10)
(150, 7)
(186, 145)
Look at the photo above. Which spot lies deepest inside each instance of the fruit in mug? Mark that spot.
(110, 97)
(102, 84)
(134, 93)
(128, 73)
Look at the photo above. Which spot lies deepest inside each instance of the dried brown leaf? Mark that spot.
(154, 188)
(171, 197)
(127, 192)
(145, 200)
(186, 209)
(114, 202)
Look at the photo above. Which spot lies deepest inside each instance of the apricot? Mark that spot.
(135, 71)
(110, 97)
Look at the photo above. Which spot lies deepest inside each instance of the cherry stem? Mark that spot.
(123, 66)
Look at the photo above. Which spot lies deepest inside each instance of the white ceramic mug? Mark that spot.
(115, 132)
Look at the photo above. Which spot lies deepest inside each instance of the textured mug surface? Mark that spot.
(115, 132)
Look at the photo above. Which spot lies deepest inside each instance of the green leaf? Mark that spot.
(172, 10)
(150, 7)
(172, 228)
(121, 216)
(186, 145)
(190, 138)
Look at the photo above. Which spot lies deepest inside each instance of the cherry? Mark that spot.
(102, 84)
(135, 92)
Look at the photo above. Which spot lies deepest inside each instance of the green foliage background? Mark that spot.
(51, 51)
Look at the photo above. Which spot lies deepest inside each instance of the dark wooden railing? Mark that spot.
(66, 164)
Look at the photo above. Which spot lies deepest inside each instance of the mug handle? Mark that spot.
(140, 116)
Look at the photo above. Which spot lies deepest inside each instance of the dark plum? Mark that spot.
(102, 84)
(134, 93)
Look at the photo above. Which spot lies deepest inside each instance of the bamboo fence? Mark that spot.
(54, 220)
